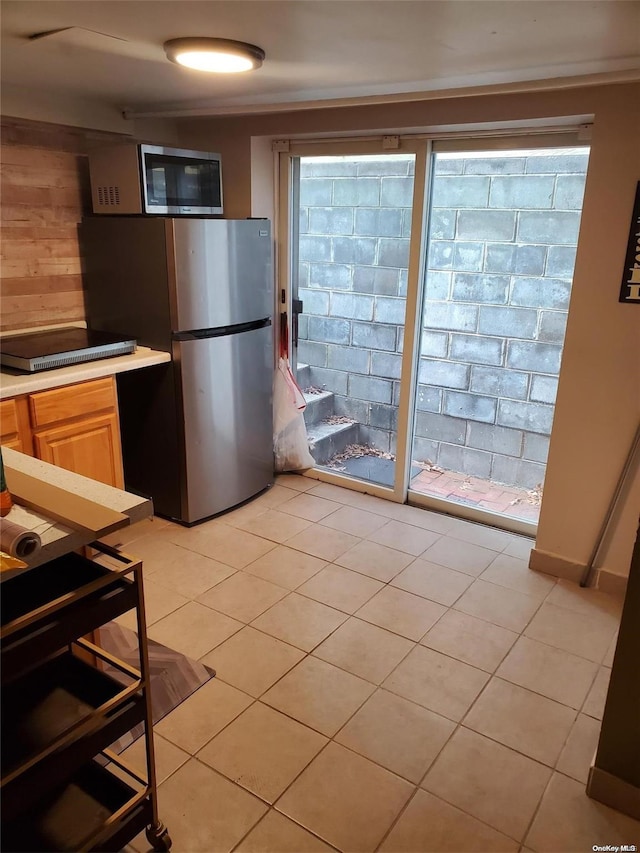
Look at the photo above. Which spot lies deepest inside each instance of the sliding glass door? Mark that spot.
(433, 286)
(351, 245)
(502, 237)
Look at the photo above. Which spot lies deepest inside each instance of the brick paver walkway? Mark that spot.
(475, 491)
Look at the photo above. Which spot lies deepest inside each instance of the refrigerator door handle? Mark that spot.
(221, 331)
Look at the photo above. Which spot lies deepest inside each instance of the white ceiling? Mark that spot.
(316, 49)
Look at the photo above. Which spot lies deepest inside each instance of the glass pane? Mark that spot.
(353, 254)
(180, 182)
(502, 243)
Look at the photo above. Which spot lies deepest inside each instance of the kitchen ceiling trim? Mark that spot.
(568, 135)
(552, 84)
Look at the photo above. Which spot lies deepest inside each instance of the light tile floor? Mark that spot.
(387, 679)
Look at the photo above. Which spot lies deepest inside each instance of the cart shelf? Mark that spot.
(85, 811)
(55, 719)
(45, 609)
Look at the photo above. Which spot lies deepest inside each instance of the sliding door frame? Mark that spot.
(423, 146)
(421, 149)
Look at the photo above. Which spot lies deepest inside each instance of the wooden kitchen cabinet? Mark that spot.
(88, 446)
(15, 427)
(74, 427)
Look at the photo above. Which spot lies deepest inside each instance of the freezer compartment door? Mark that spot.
(227, 404)
(222, 272)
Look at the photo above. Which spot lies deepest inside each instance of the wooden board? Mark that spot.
(61, 505)
(45, 192)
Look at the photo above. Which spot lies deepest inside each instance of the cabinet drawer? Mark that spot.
(60, 404)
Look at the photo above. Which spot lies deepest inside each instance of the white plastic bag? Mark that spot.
(288, 399)
(290, 443)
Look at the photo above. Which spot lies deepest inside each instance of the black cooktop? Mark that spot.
(61, 347)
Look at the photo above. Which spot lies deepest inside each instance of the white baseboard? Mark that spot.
(559, 567)
(611, 583)
(552, 564)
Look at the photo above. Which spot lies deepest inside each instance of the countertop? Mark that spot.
(58, 539)
(13, 384)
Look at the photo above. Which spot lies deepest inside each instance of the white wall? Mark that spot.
(20, 102)
(598, 404)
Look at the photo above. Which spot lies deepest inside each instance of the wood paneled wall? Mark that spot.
(44, 193)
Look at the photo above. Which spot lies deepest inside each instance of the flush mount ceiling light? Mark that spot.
(221, 56)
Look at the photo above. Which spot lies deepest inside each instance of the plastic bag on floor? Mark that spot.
(290, 442)
(291, 448)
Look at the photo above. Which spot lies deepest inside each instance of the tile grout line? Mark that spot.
(353, 752)
(416, 642)
(537, 808)
(376, 686)
(442, 515)
(380, 686)
(500, 743)
(397, 818)
(286, 817)
(323, 734)
(270, 806)
(458, 724)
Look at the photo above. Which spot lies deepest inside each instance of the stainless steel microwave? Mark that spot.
(132, 178)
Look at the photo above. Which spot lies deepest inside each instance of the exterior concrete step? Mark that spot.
(303, 375)
(319, 407)
(325, 440)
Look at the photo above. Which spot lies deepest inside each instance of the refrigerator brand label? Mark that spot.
(264, 233)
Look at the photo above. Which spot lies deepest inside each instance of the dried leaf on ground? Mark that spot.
(533, 497)
(356, 451)
(428, 465)
(338, 419)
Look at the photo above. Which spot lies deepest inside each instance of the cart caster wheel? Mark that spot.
(159, 838)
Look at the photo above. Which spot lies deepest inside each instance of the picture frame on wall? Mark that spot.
(630, 287)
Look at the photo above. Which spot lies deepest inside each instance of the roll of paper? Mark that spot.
(17, 541)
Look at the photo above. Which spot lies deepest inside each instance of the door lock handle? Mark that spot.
(296, 309)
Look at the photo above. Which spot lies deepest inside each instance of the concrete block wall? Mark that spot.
(355, 221)
(502, 246)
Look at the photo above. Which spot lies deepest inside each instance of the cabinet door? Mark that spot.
(14, 425)
(90, 446)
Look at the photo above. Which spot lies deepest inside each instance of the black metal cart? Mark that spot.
(62, 787)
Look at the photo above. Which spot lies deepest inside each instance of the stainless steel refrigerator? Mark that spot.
(197, 433)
